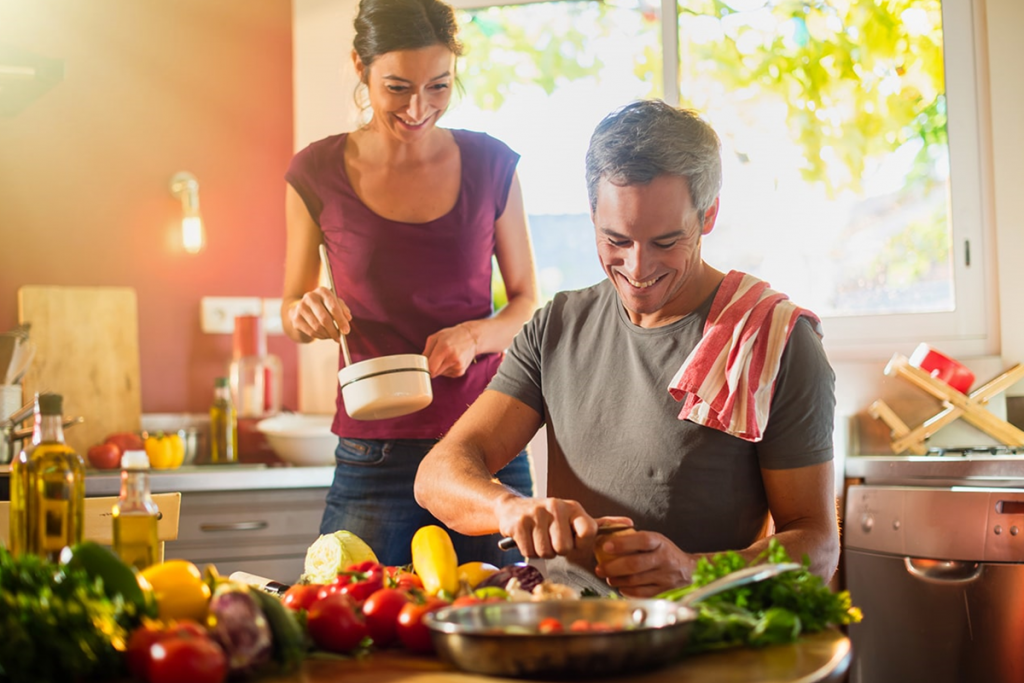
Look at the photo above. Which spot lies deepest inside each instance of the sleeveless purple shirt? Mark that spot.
(405, 281)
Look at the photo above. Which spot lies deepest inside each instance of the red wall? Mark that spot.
(152, 88)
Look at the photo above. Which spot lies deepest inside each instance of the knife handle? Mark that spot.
(260, 582)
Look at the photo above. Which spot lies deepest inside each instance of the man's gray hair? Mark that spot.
(649, 138)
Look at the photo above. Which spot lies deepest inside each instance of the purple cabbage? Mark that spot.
(528, 575)
(238, 624)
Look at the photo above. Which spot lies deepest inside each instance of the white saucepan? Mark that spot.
(384, 387)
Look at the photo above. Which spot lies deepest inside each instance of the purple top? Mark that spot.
(405, 281)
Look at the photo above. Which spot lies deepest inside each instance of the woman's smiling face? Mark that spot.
(409, 90)
(648, 240)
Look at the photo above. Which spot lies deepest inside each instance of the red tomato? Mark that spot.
(550, 625)
(196, 659)
(381, 610)
(104, 456)
(301, 596)
(333, 625)
(364, 584)
(126, 441)
(139, 648)
(413, 633)
(580, 625)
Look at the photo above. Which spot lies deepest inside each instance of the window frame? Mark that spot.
(969, 330)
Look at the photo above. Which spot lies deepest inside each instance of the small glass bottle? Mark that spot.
(136, 515)
(223, 424)
(47, 487)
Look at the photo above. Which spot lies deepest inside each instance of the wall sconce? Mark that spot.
(185, 186)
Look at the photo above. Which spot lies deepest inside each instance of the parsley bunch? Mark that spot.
(57, 624)
(775, 610)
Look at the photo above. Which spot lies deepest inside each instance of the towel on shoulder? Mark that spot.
(728, 379)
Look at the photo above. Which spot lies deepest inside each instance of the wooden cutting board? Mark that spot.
(87, 349)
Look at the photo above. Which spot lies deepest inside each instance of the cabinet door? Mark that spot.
(261, 532)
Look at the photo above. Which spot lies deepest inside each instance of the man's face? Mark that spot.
(648, 240)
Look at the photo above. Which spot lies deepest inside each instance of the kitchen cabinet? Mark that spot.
(263, 532)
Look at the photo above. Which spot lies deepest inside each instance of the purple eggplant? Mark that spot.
(236, 622)
(528, 576)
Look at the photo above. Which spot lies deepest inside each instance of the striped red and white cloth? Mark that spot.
(728, 379)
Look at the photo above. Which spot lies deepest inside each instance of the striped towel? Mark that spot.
(729, 377)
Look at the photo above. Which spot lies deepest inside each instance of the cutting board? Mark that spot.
(87, 349)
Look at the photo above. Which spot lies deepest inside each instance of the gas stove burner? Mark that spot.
(962, 451)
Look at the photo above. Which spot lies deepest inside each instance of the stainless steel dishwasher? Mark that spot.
(934, 556)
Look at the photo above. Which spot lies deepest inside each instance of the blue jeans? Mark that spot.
(372, 496)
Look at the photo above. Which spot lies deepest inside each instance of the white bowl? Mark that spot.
(389, 386)
(300, 439)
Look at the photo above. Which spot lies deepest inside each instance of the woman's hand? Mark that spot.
(644, 564)
(319, 314)
(451, 351)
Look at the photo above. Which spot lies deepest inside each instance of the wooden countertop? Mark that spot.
(820, 657)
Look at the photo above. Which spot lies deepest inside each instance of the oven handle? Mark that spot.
(942, 571)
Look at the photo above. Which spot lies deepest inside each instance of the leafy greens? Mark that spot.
(775, 610)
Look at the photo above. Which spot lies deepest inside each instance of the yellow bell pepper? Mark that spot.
(434, 559)
(179, 590)
(165, 451)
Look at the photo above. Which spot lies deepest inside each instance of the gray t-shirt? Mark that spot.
(616, 444)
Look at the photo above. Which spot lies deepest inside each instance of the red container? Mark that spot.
(941, 366)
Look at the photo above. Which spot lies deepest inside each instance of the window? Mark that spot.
(851, 149)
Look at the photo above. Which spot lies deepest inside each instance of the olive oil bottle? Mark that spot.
(136, 515)
(47, 487)
(223, 424)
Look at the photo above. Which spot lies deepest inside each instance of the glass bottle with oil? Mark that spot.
(223, 424)
(47, 487)
(136, 515)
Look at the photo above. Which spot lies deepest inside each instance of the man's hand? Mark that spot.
(546, 527)
(644, 563)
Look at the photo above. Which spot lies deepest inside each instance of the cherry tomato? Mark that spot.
(413, 633)
(550, 625)
(333, 625)
(334, 586)
(580, 625)
(196, 659)
(398, 577)
(365, 579)
(301, 596)
(381, 610)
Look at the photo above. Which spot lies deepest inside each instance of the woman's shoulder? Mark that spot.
(481, 142)
(330, 146)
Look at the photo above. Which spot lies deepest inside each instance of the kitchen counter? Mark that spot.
(237, 477)
(818, 657)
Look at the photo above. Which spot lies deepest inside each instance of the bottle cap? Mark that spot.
(135, 460)
(249, 339)
(50, 404)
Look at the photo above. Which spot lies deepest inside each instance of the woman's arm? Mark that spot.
(450, 351)
(308, 311)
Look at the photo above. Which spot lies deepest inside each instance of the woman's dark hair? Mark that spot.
(387, 25)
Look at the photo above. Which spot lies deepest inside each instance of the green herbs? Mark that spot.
(776, 610)
(57, 623)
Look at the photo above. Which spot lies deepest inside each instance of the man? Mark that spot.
(594, 366)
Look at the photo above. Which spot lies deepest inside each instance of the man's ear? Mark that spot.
(710, 216)
(360, 67)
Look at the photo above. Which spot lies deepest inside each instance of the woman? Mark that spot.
(411, 214)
